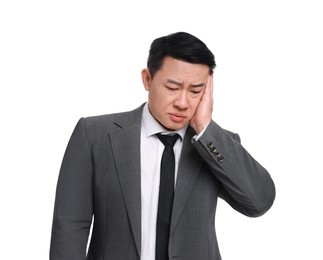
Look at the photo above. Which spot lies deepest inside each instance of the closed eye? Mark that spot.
(196, 90)
(171, 88)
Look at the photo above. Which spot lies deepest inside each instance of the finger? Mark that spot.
(210, 82)
(209, 87)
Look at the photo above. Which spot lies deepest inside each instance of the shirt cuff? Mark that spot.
(195, 138)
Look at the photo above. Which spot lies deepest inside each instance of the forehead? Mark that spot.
(182, 70)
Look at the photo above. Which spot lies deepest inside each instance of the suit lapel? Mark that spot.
(188, 170)
(125, 144)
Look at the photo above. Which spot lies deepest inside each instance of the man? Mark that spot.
(111, 169)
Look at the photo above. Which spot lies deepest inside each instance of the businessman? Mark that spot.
(150, 178)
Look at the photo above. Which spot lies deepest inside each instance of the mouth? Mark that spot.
(178, 118)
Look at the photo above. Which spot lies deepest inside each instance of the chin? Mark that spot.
(175, 127)
(172, 126)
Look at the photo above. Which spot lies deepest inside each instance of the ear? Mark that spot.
(146, 78)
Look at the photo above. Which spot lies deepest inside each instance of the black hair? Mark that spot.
(181, 46)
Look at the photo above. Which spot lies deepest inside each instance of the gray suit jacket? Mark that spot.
(100, 177)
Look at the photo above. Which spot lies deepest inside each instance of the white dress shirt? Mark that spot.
(151, 152)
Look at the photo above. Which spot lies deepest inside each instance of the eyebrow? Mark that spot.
(181, 84)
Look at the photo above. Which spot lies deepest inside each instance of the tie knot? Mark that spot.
(168, 140)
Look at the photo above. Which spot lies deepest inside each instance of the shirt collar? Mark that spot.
(150, 126)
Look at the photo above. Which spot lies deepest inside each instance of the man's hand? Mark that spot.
(203, 113)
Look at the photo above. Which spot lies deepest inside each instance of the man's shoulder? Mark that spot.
(108, 121)
(97, 127)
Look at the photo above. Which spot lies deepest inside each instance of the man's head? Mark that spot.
(181, 46)
(179, 67)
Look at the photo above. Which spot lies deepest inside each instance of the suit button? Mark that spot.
(209, 145)
(220, 158)
(216, 153)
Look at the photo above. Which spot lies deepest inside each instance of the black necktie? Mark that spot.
(166, 195)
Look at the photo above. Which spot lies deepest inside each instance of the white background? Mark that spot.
(61, 60)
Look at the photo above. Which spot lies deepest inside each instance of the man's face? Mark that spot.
(175, 91)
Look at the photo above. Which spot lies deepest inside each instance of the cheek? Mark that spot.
(164, 99)
(194, 103)
(154, 96)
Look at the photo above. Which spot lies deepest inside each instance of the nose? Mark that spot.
(181, 101)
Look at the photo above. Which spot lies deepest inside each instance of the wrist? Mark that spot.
(199, 127)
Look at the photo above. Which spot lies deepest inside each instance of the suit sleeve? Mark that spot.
(245, 184)
(74, 200)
